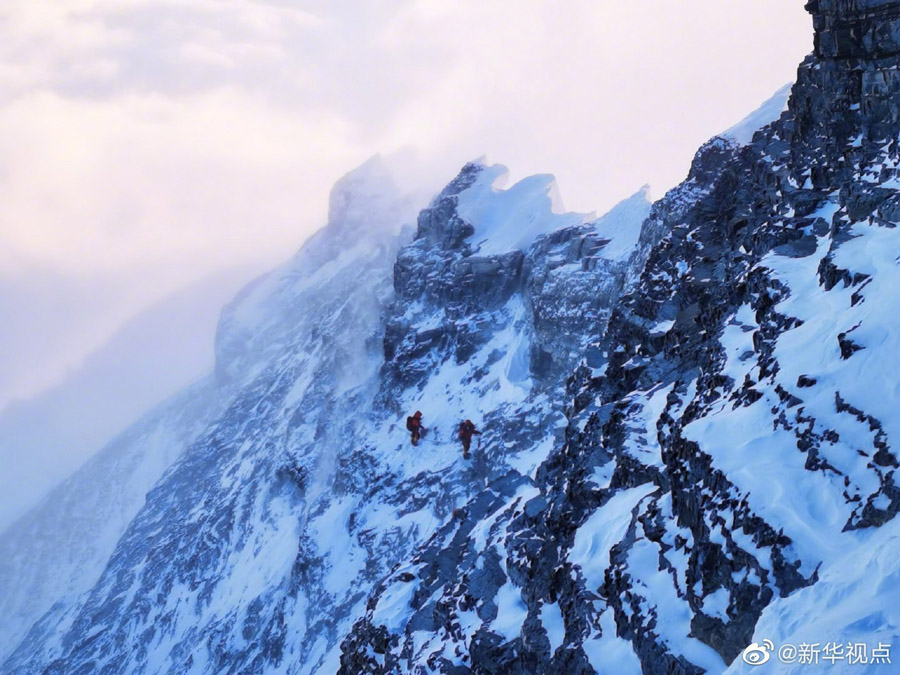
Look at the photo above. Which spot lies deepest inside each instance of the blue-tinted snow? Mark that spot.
(742, 132)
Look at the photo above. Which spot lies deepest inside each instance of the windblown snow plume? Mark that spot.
(296, 490)
(688, 416)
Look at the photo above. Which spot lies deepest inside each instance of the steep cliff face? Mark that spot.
(463, 600)
(258, 548)
(482, 255)
(689, 414)
(728, 471)
(856, 28)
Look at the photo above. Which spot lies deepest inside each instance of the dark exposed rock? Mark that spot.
(672, 364)
(805, 381)
(705, 244)
(848, 347)
(566, 286)
(856, 28)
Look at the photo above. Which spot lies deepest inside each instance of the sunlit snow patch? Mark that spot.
(604, 529)
(554, 624)
(742, 132)
(511, 611)
(622, 225)
(511, 219)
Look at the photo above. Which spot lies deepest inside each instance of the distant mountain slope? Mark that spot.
(256, 550)
(54, 554)
(688, 410)
(160, 351)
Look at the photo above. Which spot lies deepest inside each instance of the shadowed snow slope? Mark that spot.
(688, 414)
(258, 548)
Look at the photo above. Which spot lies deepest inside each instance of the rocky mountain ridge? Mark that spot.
(733, 443)
(304, 479)
(688, 416)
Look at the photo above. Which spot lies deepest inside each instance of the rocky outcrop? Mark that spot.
(712, 463)
(559, 290)
(856, 29)
(296, 497)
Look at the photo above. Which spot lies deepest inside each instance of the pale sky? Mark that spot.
(147, 143)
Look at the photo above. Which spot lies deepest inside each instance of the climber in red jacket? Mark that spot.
(466, 431)
(414, 426)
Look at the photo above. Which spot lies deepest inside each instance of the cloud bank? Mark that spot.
(146, 143)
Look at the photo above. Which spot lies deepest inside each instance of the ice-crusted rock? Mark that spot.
(259, 547)
(856, 28)
(720, 468)
(728, 473)
(574, 277)
(564, 269)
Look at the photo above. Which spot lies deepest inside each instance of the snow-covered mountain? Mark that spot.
(56, 553)
(687, 414)
(727, 475)
(303, 485)
(158, 352)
